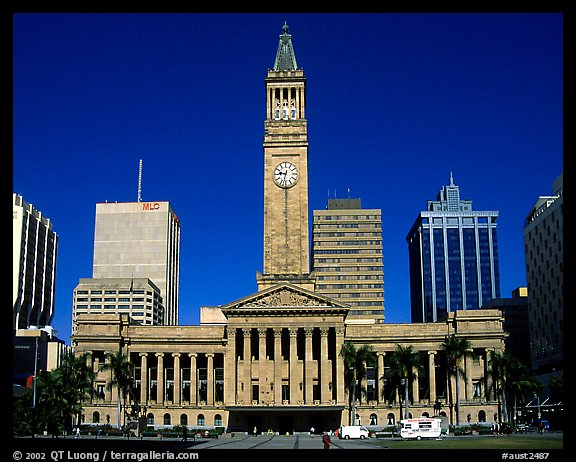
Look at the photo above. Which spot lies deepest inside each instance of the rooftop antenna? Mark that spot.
(140, 181)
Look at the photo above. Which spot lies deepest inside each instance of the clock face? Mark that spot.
(285, 175)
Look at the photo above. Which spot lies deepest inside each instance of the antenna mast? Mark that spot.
(140, 181)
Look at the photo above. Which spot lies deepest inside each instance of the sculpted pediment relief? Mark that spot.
(284, 296)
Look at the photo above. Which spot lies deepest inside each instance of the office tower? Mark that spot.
(140, 298)
(347, 257)
(544, 247)
(34, 251)
(140, 240)
(453, 257)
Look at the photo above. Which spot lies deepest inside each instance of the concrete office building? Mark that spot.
(347, 257)
(271, 359)
(453, 254)
(140, 298)
(34, 252)
(544, 251)
(515, 311)
(140, 240)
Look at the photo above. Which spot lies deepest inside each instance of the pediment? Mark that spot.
(282, 297)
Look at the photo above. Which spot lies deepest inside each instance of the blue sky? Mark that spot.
(395, 102)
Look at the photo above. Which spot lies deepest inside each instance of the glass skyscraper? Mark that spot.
(453, 254)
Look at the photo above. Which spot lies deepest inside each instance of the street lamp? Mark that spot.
(538, 404)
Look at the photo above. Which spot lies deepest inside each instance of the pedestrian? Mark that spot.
(311, 432)
(255, 430)
(326, 441)
(185, 433)
(77, 432)
(541, 428)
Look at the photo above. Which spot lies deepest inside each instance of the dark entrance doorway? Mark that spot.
(254, 421)
(285, 425)
(318, 424)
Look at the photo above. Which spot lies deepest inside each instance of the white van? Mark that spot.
(421, 428)
(352, 431)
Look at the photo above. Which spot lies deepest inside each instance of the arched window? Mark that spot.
(200, 420)
(425, 414)
(150, 418)
(391, 419)
(95, 417)
(217, 420)
(482, 416)
(184, 419)
(373, 419)
(166, 419)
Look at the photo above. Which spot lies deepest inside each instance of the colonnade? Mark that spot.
(285, 102)
(273, 373)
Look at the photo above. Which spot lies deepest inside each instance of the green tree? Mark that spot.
(404, 365)
(512, 378)
(78, 379)
(455, 347)
(121, 377)
(355, 362)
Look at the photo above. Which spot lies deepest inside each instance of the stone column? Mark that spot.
(230, 379)
(295, 394)
(380, 383)
(469, 363)
(262, 345)
(432, 376)
(143, 378)
(177, 379)
(109, 392)
(247, 394)
(339, 367)
(193, 379)
(278, 366)
(325, 372)
(415, 386)
(160, 378)
(210, 379)
(308, 371)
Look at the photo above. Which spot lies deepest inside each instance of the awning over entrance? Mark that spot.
(264, 409)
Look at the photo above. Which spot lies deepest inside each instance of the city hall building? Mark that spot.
(271, 360)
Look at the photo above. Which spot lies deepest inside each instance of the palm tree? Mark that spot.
(121, 376)
(521, 383)
(405, 363)
(77, 379)
(455, 347)
(355, 362)
(511, 377)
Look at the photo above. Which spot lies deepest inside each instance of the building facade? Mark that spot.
(544, 251)
(453, 254)
(140, 240)
(34, 252)
(347, 258)
(140, 298)
(271, 360)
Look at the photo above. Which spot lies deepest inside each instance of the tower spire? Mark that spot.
(285, 57)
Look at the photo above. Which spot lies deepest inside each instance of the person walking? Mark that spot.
(311, 432)
(326, 441)
(255, 431)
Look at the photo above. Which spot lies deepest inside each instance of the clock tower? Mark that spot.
(286, 246)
